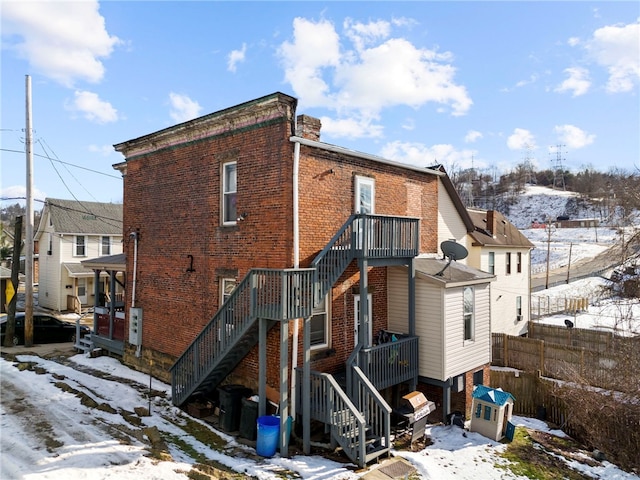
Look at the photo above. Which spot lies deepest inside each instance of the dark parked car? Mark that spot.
(46, 329)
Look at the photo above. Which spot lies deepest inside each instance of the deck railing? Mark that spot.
(390, 363)
(263, 293)
(364, 236)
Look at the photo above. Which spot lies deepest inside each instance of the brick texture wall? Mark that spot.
(172, 198)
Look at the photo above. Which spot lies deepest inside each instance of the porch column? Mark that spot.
(363, 318)
(412, 315)
(306, 387)
(262, 366)
(284, 387)
(96, 298)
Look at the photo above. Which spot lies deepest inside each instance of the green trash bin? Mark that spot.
(248, 419)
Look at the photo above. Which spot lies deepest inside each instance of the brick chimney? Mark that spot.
(308, 127)
(492, 222)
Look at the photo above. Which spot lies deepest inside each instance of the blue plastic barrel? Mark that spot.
(268, 432)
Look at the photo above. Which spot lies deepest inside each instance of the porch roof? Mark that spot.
(76, 270)
(109, 262)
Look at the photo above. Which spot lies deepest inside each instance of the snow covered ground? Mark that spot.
(48, 433)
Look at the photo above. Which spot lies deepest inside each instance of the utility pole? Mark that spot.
(28, 263)
(12, 295)
(546, 284)
(569, 265)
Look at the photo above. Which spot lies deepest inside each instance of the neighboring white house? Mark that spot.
(499, 248)
(494, 246)
(71, 231)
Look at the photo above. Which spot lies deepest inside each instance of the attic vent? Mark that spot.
(88, 217)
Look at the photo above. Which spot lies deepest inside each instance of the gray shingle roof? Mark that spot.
(455, 274)
(91, 218)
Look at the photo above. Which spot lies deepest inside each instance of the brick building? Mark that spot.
(249, 248)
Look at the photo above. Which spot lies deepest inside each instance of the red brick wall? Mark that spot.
(172, 198)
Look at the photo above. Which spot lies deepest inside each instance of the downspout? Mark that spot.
(133, 288)
(296, 264)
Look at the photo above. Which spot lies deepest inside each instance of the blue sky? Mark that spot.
(483, 84)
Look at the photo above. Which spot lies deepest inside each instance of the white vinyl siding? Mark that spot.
(450, 225)
(464, 356)
(507, 289)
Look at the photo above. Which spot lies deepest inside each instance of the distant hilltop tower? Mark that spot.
(558, 170)
(529, 172)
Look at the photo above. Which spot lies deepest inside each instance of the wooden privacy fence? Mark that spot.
(599, 366)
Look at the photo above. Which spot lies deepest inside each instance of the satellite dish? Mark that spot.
(452, 251)
(568, 323)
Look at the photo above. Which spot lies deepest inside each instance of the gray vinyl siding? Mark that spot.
(463, 356)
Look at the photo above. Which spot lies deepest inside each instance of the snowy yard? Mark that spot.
(50, 431)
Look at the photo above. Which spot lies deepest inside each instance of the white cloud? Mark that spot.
(378, 71)
(577, 82)
(351, 127)
(104, 150)
(183, 108)
(19, 192)
(573, 136)
(235, 57)
(472, 136)
(573, 41)
(617, 48)
(64, 41)
(420, 155)
(520, 139)
(92, 108)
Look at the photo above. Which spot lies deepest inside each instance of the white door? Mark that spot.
(365, 195)
(356, 320)
(82, 291)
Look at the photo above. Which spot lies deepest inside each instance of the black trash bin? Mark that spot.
(230, 406)
(249, 419)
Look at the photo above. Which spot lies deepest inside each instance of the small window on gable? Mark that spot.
(229, 193)
(80, 246)
(50, 249)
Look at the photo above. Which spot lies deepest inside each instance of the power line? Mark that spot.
(65, 163)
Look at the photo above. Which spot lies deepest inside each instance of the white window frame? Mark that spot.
(322, 309)
(356, 318)
(492, 263)
(50, 249)
(103, 250)
(519, 308)
(363, 184)
(468, 314)
(225, 291)
(229, 192)
(77, 245)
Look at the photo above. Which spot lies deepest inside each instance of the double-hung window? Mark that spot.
(80, 246)
(508, 263)
(492, 263)
(229, 193)
(519, 261)
(106, 245)
(319, 330)
(468, 309)
(518, 308)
